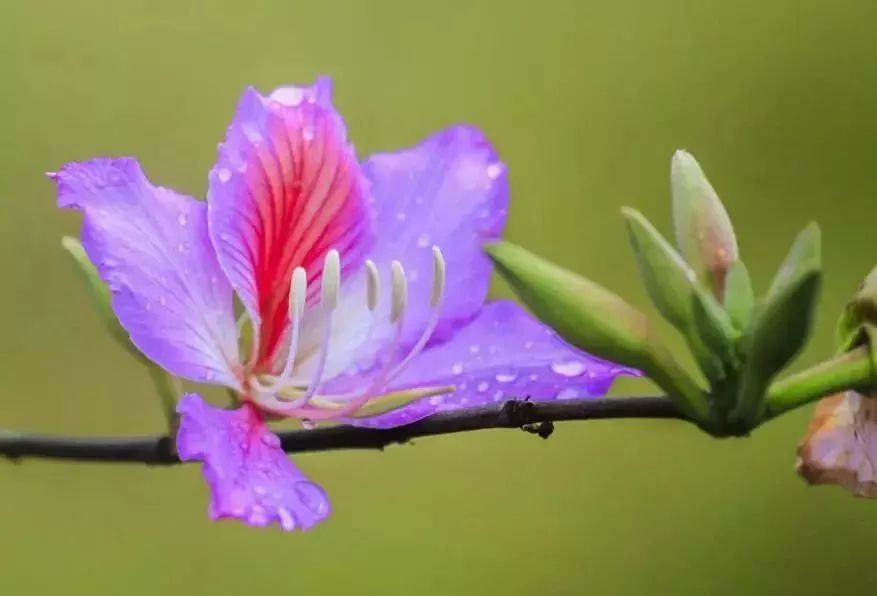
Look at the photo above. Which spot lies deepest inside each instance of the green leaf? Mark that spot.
(704, 233)
(739, 299)
(99, 292)
(781, 324)
(597, 321)
(672, 286)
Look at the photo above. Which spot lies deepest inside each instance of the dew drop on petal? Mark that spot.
(506, 377)
(307, 133)
(570, 368)
(181, 248)
(224, 174)
(494, 170)
(436, 400)
(401, 216)
(528, 345)
(474, 348)
(260, 490)
(423, 240)
(567, 393)
(497, 396)
(457, 368)
(182, 219)
(482, 386)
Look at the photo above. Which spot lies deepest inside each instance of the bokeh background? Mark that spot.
(586, 102)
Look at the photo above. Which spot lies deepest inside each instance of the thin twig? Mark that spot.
(536, 417)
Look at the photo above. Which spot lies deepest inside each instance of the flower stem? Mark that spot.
(846, 371)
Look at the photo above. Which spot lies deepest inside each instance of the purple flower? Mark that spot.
(363, 287)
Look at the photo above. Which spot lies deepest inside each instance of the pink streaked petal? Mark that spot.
(151, 246)
(450, 190)
(285, 190)
(503, 354)
(249, 476)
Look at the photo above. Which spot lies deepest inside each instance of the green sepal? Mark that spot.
(780, 324)
(739, 299)
(100, 294)
(672, 285)
(596, 320)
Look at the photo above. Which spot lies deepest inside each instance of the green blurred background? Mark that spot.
(586, 102)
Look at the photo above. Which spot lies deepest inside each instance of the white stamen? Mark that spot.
(373, 287)
(328, 303)
(400, 291)
(389, 370)
(438, 292)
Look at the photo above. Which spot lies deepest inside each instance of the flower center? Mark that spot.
(286, 395)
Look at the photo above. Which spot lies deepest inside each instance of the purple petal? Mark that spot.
(249, 476)
(285, 190)
(502, 354)
(451, 191)
(151, 246)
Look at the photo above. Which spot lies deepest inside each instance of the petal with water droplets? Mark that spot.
(516, 358)
(150, 245)
(249, 475)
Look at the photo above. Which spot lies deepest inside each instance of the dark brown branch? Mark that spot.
(532, 416)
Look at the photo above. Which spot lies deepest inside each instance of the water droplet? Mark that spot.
(494, 170)
(457, 368)
(528, 345)
(534, 377)
(401, 216)
(287, 522)
(567, 393)
(482, 386)
(162, 301)
(242, 168)
(506, 377)
(474, 348)
(271, 440)
(224, 174)
(436, 400)
(312, 497)
(260, 490)
(570, 368)
(182, 219)
(497, 396)
(307, 133)
(181, 248)
(423, 240)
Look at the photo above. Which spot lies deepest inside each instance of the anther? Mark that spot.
(331, 279)
(298, 293)
(372, 288)
(400, 291)
(438, 276)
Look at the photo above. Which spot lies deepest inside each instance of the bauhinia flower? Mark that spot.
(361, 291)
